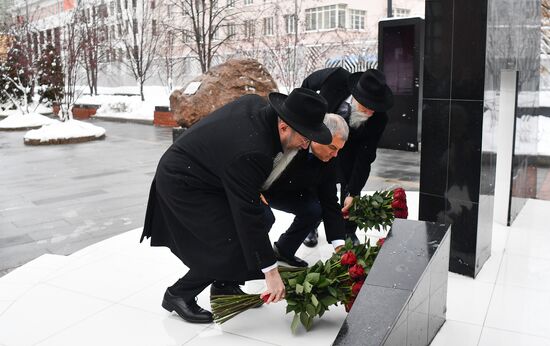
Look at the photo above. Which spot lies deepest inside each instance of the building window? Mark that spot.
(401, 12)
(357, 19)
(135, 26)
(248, 2)
(230, 30)
(112, 8)
(249, 28)
(290, 23)
(230, 3)
(154, 27)
(268, 26)
(326, 17)
(153, 4)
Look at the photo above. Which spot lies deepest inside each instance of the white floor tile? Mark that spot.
(43, 311)
(216, 336)
(270, 324)
(115, 277)
(12, 291)
(532, 215)
(4, 304)
(499, 238)
(477, 294)
(490, 269)
(529, 242)
(121, 325)
(29, 274)
(454, 333)
(497, 337)
(519, 309)
(525, 272)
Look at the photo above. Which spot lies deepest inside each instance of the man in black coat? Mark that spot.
(307, 189)
(362, 98)
(205, 203)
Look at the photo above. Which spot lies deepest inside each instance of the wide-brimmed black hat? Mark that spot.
(369, 88)
(304, 111)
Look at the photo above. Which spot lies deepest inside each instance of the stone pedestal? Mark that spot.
(404, 298)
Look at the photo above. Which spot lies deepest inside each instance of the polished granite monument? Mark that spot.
(467, 45)
(404, 298)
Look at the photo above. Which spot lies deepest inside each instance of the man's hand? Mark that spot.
(347, 204)
(275, 287)
(262, 198)
(338, 248)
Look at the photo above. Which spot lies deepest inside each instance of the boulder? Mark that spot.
(220, 85)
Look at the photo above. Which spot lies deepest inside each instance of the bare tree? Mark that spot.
(204, 26)
(71, 51)
(140, 39)
(94, 31)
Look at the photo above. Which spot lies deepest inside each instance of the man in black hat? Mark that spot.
(204, 202)
(362, 98)
(307, 189)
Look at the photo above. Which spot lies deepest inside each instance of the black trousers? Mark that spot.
(307, 210)
(193, 283)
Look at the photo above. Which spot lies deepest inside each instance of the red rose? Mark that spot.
(401, 214)
(398, 204)
(345, 213)
(349, 304)
(266, 298)
(399, 194)
(356, 272)
(348, 258)
(356, 287)
(380, 242)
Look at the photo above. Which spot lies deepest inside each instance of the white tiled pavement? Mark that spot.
(110, 293)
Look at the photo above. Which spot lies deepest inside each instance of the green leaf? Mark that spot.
(303, 319)
(328, 300)
(314, 300)
(332, 291)
(291, 301)
(292, 282)
(299, 289)
(294, 323)
(313, 278)
(310, 309)
(307, 287)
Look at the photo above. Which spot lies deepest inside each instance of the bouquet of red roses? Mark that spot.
(311, 291)
(379, 209)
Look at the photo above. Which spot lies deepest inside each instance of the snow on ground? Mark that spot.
(17, 120)
(114, 105)
(65, 130)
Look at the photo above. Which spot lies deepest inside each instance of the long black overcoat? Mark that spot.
(309, 174)
(359, 152)
(204, 201)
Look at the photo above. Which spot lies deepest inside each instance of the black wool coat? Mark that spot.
(309, 174)
(204, 201)
(359, 152)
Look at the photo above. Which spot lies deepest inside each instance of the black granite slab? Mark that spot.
(403, 300)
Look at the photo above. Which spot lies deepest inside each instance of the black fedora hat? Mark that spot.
(369, 88)
(304, 111)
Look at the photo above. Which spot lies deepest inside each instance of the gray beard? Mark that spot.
(356, 117)
(279, 164)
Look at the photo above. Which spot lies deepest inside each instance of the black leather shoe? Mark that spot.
(311, 239)
(353, 239)
(293, 261)
(189, 311)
